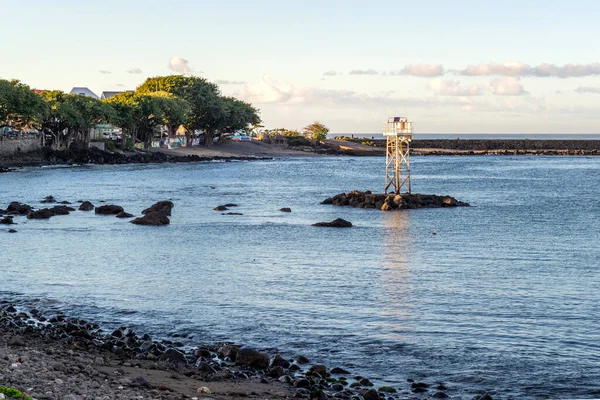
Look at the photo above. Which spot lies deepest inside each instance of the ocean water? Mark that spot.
(503, 298)
(482, 136)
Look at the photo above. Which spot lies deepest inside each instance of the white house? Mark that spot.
(83, 91)
(108, 95)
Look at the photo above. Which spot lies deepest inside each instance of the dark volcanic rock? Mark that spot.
(300, 359)
(252, 358)
(336, 223)
(44, 213)
(371, 395)
(232, 213)
(285, 209)
(173, 356)
(8, 220)
(12, 231)
(153, 218)
(220, 208)
(388, 202)
(18, 208)
(49, 199)
(61, 210)
(278, 361)
(109, 209)
(124, 214)
(86, 206)
(164, 207)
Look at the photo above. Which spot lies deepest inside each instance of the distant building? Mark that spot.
(83, 91)
(108, 95)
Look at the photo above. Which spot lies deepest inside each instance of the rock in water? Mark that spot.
(220, 208)
(389, 202)
(86, 206)
(8, 220)
(124, 214)
(164, 207)
(285, 209)
(153, 218)
(12, 231)
(336, 223)
(252, 358)
(109, 209)
(19, 208)
(44, 213)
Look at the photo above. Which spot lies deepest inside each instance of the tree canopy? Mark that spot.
(19, 104)
(316, 131)
(209, 111)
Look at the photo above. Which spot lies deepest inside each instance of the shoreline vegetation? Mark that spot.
(258, 150)
(48, 355)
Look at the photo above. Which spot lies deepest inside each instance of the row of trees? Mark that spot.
(170, 101)
(315, 131)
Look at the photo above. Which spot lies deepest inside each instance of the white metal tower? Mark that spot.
(398, 131)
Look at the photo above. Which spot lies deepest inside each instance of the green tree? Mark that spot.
(206, 108)
(19, 105)
(69, 118)
(142, 114)
(316, 131)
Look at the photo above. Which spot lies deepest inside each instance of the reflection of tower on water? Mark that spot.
(396, 275)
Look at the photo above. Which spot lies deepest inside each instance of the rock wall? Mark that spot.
(12, 147)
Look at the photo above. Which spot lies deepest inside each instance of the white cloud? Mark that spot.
(507, 87)
(369, 71)
(180, 65)
(228, 82)
(102, 71)
(267, 91)
(331, 73)
(588, 89)
(421, 70)
(519, 69)
(134, 71)
(453, 88)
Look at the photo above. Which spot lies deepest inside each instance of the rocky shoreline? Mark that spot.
(390, 202)
(53, 356)
(96, 156)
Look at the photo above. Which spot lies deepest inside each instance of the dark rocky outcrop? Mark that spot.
(18, 208)
(173, 356)
(49, 199)
(336, 223)
(252, 358)
(86, 206)
(109, 209)
(388, 202)
(220, 208)
(12, 231)
(43, 213)
(124, 214)
(153, 218)
(285, 209)
(164, 207)
(8, 220)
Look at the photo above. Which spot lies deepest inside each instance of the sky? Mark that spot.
(456, 66)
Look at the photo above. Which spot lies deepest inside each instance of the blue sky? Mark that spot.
(451, 66)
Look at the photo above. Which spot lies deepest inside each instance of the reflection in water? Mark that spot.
(395, 277)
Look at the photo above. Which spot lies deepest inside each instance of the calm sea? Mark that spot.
(503, 298)
(483, 136)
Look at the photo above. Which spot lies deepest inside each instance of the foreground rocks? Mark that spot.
(388, 202)
(109, 209)
(53, 356)
(153, 218)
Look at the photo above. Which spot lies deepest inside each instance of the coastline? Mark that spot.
(256, 150)
(54, 356)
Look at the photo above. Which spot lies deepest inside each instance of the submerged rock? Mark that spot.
(153, 218)
(86, 206)
(336, 223)
(220, 208)
(285, 209)
(124, 214)
(109, 209)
